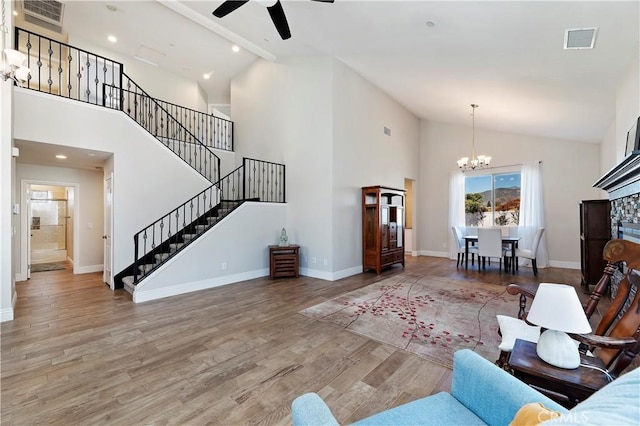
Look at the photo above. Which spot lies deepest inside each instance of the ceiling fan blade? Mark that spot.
(279, 20)
(227, 7)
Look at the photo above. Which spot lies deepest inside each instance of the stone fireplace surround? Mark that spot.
(622, 183)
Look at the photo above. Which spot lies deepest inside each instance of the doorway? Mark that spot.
(50, 233)
(410, 235)
(48, 226)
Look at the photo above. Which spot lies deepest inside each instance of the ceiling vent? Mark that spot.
(45, 13)
(580, 38)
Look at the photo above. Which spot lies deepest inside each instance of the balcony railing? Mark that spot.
(149, 113)
(60, 69)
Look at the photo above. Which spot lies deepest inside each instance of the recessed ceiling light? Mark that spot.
(112, 39)
(206, 76)
(61, 157)
(235, 48)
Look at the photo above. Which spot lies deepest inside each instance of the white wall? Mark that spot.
(87, 206)
(7, 199)
(7, 195)
(330, 136)
(143, 189)
(569, 170)
(364, 156)
(240, 241)
(158, 83)
(280, 117)
(627, 108)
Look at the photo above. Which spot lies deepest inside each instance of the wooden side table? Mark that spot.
(568, 387)
(284, 261)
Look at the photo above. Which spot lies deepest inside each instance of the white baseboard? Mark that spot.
(141, 295)
(88, 269)
(412, 253)
(21, 277)
(314, 273)
(331, 276)
(434, 253)
(338, 275)
(7, 313)
(562, 264)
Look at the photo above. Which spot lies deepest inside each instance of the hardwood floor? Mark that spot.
(78, 353)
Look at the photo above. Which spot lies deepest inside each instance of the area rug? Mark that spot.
(429, 316)
(43, 267)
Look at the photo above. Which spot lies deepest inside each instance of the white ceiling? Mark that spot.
(506, 56)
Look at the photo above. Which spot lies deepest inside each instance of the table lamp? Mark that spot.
(557, 308)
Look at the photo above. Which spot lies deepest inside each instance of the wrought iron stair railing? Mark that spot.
(63, 70)
(67, 71)
(214, 132)
(254, 180)
(149, 113)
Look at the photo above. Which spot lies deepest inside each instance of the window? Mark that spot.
(492, 200)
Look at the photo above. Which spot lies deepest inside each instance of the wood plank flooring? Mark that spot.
(78, 353)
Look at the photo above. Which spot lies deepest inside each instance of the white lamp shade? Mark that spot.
(14, 58)
(557, 307)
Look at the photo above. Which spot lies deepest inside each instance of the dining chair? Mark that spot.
(457, 234)
(490, 245)
(529, 253)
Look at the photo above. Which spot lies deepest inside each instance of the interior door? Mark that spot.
(108, 230)
(29, 233)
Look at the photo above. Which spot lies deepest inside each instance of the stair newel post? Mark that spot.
(284, 181)
(244, 178)
(135, 258)
(232, 133)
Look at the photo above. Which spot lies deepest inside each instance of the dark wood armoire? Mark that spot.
(595, 232)
(382, 227)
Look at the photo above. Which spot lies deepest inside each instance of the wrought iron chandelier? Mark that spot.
(481, 160)
(12, 60)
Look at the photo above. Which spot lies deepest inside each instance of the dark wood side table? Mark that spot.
(568, 387)
(284, 261)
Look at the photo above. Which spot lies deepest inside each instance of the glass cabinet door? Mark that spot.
(384, 224)
(400, 223)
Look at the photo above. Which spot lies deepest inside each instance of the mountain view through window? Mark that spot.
(492, 200)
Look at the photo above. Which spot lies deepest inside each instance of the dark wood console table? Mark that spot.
(284, 261)
(568, 387)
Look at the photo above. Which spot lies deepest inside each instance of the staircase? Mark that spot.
(176, 244)
(73, 73)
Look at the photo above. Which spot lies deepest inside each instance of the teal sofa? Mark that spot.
(481, 394)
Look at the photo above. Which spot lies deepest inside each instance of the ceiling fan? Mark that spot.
(275, 11)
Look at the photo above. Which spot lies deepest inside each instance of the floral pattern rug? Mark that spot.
(429, 316)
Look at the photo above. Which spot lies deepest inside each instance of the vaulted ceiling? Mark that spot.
(433, 57)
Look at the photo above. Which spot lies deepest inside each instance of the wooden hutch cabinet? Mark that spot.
(382, 227)
(595, 232)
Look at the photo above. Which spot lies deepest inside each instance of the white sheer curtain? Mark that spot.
(456, 209)
(532, 211)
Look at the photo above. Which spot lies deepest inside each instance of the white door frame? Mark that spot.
(107, 274)
(25, 226)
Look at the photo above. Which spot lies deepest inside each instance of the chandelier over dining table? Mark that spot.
(475, 162)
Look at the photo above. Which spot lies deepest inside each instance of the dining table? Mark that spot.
(472, 239)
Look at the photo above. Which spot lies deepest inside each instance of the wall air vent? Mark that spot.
(580, 38)
(45, 13)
